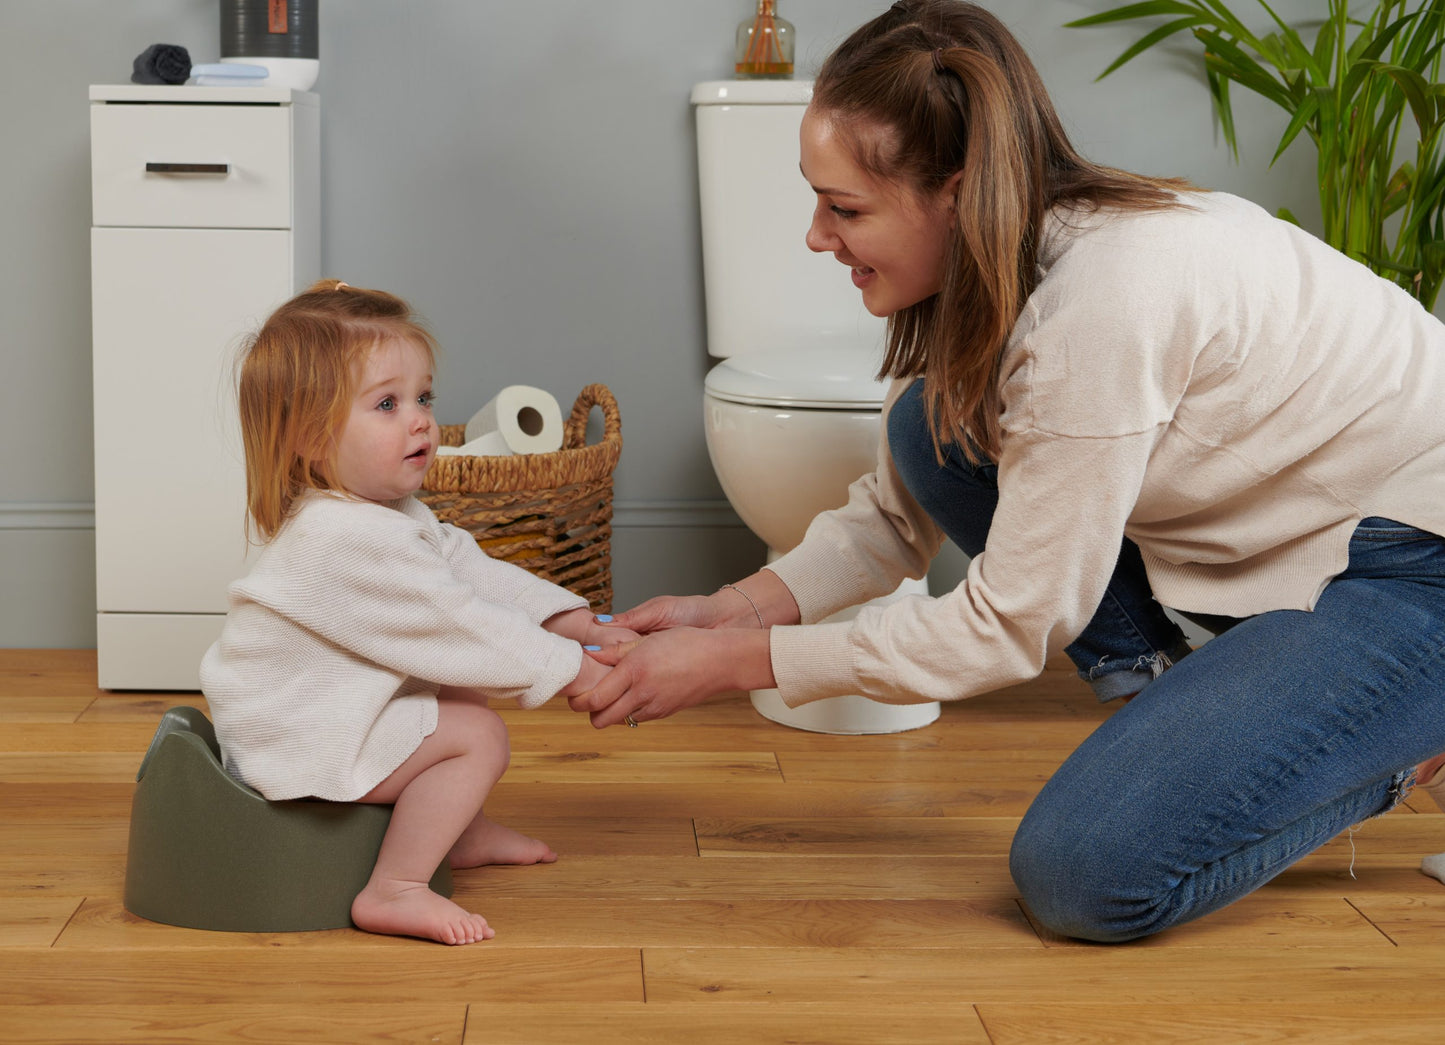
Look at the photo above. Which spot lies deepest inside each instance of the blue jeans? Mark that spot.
(1267, 742)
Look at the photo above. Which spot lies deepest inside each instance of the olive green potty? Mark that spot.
(208, 852)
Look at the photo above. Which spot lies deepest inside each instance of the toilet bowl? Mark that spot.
(792, 412)
(788, 431)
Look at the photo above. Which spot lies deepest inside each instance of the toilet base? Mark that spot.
(850, 715)
(846, 715)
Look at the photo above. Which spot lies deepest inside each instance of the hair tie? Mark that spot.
(938, 65)
(340, 285)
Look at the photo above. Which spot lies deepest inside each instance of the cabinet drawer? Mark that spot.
(191, 166)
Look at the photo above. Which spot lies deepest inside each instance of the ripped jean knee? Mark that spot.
(1112, 678)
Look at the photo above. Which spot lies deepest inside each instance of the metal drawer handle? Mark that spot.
(188, 168)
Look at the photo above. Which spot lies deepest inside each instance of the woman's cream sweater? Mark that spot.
(1221, 387)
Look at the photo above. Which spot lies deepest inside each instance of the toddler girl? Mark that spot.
(358, 655)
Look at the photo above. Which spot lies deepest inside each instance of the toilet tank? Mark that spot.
(765, 289)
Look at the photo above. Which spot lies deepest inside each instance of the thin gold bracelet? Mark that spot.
(756, 612)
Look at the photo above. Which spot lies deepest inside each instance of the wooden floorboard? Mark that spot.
(1204, 1023)
(547, 921)
(239, 1021)
(1372, 976)
(722, 879)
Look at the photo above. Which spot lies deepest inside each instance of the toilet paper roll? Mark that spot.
(528, 420)
(490, 444)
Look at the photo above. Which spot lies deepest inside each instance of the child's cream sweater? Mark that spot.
(1224, 389)
(325, 677)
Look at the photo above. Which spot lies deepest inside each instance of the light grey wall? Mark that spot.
(525, 174)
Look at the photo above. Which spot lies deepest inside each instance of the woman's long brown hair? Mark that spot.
(934, 88)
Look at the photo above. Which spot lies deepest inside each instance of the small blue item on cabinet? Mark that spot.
(235, 70)
(229, 74)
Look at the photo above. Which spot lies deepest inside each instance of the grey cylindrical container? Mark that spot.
(246, 29)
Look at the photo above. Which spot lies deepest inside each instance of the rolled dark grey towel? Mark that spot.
(162, 63)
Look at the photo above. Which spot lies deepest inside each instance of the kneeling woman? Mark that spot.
(1116, 393)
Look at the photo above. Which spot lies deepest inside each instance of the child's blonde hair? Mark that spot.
(297, 380)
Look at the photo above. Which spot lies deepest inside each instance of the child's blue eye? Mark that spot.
(427, 399)
(387, 404)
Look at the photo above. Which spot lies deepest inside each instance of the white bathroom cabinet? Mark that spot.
(205, 216)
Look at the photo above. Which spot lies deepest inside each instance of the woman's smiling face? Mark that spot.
(892, 238)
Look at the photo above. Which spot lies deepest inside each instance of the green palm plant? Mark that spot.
(1355, 92)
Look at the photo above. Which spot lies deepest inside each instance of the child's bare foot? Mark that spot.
(412, 909)
(485, 842)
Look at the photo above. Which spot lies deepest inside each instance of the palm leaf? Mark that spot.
(1416, 90)
(1228, 20)
(1219, 91)
(1228, 60)
(1325, 44)
(1144, 43)
(1147, 9)
(1290, 52)
(1308, 108)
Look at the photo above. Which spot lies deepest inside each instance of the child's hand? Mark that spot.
(587, 678)
(581, 625)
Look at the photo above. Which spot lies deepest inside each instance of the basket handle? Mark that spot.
(595, 395)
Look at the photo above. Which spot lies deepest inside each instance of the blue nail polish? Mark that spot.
(594, 649)
(604, 618)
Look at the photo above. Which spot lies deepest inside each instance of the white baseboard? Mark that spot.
(47, 562)
(47, 515)
(672, 515)
(44, 515)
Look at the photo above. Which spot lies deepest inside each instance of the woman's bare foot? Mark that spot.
(1430, 778)
(412, 909)
(1430, 769)
(485, 842)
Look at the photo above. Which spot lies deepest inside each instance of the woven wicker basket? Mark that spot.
(550, 514)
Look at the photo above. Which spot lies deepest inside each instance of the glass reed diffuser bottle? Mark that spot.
(765, 45)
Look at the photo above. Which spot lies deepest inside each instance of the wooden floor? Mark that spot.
(723, 880)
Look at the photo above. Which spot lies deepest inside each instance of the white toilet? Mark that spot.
(792, 411)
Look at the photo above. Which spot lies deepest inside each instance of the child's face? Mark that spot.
(390, 435)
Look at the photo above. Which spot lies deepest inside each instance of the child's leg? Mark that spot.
(437, 793)
(486, 842)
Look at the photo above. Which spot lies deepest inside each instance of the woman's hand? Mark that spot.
(758, 601)
(675, 669)
(670, 611)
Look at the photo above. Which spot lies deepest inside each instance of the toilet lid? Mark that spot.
(818, 377)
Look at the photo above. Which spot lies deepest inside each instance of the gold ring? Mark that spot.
(631, 722)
